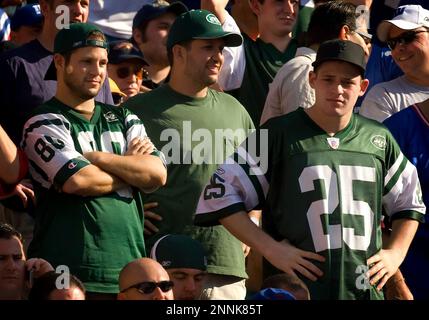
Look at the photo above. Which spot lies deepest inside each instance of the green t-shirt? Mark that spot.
(182, 126)
(94, 236)
(324, 194)
(263, 60)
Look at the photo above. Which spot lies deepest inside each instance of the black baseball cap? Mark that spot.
(341, 50)
(156, 9)
(200, 24)
(123, 50)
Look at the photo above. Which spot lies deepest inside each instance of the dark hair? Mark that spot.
(328, 19)
(287, 282)
(45, 284)
(186, 44)
(8, 232)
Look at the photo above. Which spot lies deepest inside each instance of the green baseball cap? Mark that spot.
(179, 251)
(74, 37)
(200, 24)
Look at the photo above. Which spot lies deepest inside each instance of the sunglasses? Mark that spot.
(125, 72)
(405, 38)
(150, 286)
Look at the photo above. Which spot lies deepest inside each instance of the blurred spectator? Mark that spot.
(22, 70)
(407, 35)
(46, 287)
(151, 25)
(291, 88)
(4, 26)
(186, 263)
(26, 24)
(410, 128)
(13, 168)
(249, 68)
(125, 67)
(117, 95)
(273, 294)
(145, 279)
(15, 271)
(114, 17)
(290, 283)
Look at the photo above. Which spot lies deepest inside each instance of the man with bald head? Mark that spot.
(144, 279)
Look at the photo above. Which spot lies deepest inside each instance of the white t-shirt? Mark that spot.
(290, 88)
(115, 18)
(387, 98)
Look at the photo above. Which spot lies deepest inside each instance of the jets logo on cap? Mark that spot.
(213, 19)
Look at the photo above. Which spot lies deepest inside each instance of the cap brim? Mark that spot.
(177, 7)
(126, 57)
(51, 74)
(385, 26)
(317, 63)
(232, 39)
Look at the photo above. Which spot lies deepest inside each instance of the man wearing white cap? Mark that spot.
(407, 35)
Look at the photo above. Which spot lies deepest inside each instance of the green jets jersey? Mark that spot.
(324, 194)
(93, 236)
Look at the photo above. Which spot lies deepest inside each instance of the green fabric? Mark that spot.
(303, 21)
(263, 60)
(200, 24)
(94, 236)
(164, 109)
(318, 192)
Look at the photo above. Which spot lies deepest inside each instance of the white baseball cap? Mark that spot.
(408, 17)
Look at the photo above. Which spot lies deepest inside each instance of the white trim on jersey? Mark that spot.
(37, 146)
(393, 169)
(238, 189)
(405, 194)
(135, 130)
(257, 171)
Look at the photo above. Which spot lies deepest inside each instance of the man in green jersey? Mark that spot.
(196, 128)
(327, 175)
(88, 161)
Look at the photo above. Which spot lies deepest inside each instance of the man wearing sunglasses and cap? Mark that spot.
(407, 35)
(145, 279)
(186, 104)
(88, 161)
(125, 66)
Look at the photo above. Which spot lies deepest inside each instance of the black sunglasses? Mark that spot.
(405, 38)
(124, 72)
(148, 287)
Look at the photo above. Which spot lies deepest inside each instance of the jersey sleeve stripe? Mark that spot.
(409, 214)
(255, 170)
(39, 175)
(69, 169)
(35, 123)
(252, 178)
(394, 169)
(405, 194)
(209, 219)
